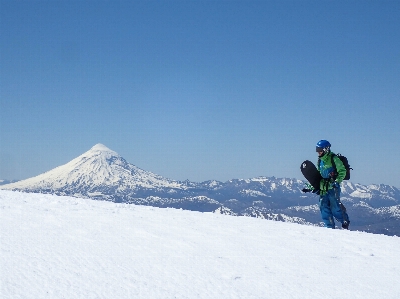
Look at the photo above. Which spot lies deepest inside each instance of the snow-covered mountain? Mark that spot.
(101, 173)
(5, 182)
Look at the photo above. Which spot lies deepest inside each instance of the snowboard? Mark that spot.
(311, 173)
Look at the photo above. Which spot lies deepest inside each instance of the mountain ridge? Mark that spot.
(98, 166)
(102, 174)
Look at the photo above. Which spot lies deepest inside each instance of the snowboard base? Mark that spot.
(311, 173)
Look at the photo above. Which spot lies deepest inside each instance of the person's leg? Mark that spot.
(337, 208)
(326, 213)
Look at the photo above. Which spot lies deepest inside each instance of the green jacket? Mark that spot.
(327, 171)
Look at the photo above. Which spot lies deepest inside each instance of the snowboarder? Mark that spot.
(332, 175)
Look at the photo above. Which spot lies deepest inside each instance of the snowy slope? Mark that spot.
(99, 169)
(4, 182)
(66, 247)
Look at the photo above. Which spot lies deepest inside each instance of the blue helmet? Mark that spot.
(323, 146)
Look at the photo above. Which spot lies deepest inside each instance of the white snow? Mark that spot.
(252, 193)
(360, 194)
(65, 247)
(102, 148)
(99, 166)
(310, 208)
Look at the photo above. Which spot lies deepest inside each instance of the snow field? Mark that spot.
(64, 247)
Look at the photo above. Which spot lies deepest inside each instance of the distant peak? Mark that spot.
(104, 150)
(100, 147)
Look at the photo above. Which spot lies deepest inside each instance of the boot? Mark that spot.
(346, 224)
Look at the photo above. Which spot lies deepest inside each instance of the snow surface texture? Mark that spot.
(67, 247)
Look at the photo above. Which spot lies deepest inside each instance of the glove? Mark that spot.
(335, 184)
(305, 190)
(316, 192)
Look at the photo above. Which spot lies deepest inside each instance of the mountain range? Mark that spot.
(102, 174)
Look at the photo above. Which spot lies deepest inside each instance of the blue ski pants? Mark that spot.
(331, 207)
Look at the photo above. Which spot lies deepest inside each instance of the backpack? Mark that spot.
(345, 163)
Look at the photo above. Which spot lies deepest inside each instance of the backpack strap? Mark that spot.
(335, 174)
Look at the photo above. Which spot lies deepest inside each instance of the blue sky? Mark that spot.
(201, 90)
